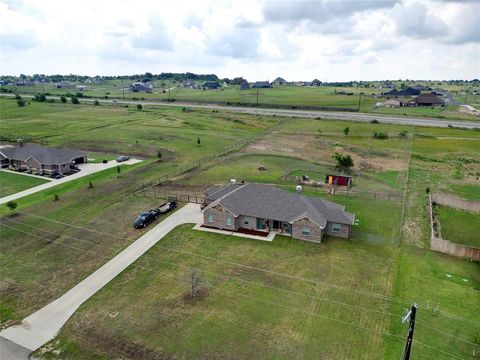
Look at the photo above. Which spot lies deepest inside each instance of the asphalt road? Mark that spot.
(329, 115)
(43, 325)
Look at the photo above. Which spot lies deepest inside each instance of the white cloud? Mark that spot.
(325, 39)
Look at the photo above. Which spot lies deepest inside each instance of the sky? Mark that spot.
(259, 40)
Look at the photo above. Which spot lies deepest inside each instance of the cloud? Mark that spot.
(236, 43)
(157, 38)
(415, 21)
(464, 24)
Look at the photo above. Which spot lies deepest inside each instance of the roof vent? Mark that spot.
(19, 142)
(299, 188)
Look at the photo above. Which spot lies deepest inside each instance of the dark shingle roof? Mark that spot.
(265, 201)
(45, 155)
(404, 92)
(428, 99)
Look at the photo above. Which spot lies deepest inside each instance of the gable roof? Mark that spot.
(265, 201)
(404, 92)
(428, 99)
(45, 155)
(279, 80)
(262, 84)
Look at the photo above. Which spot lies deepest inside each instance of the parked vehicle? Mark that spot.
(122, 158)
(147, 217)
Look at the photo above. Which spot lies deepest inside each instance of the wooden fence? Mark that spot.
(446, 246)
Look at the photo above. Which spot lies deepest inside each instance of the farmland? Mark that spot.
(284, 299)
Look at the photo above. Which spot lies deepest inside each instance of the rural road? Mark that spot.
(43, 325)
(328, 115)
(85, 169)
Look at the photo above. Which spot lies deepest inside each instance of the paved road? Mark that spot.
(86, 169)
(43, 325)
(348, 116)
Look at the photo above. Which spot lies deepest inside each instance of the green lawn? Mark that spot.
(12, 183)
(459, 226)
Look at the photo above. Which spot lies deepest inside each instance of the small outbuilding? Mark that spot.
(392, 103)
(338, 180)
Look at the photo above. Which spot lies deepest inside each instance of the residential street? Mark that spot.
(42, 326)
(86, 169)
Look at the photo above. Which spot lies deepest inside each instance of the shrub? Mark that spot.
(75, 100)
(375, 121)
(21, 103)
(139, 106)
(96, 103)
(90, 185)
(346, 130)
(427, 190)
(63, 99)
(344, 162)
(40, 98)
(198, 141)
(159, 154)
(380, 135)
(403, 134)
(12, 205)
(56, 197)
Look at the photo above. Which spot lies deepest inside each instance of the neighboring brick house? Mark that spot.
(266, 208)
(40, 159)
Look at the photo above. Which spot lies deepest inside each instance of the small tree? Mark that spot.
(427, 190)
(75, 100)
(12, 205)
(90, 185)
(21, 102)
(56, 197)
(195, 282)
(118, 170)
(96, 103)
(346, 130)
(139, 106)
(63, 99)
(159, 154)
(344, 162)
(198, 141)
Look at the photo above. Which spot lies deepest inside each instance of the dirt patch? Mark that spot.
(262, 168)
(202, 293)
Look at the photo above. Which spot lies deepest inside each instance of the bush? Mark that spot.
(427, 190)
(56, 197)
(346, 130)
(96, 103)
(344, 162)
(21, 103)
(40, 98)
(380, 135)
(75, 100)
(403, 134)
(90, 185)
(375, 121)
(159, 154)
(12, 205)
(139, 106)
(63, 99)
(18, 97)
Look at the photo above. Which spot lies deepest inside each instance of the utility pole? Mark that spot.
(169, 94)
(408, 344)
(257, 96)
(359, 100)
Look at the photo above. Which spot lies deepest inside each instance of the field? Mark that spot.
(12, 183)
(459, 226)
(289, 96)
(341, 299)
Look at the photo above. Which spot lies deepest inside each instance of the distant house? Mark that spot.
(40, 159)
(88, 81)
(81, 87)
(211, 85)
(402, 93)
(387, 85)
(262, 85)
(420, 87)
(237, 81)
(64, 85)
(192, 84)
(315, 82)
(261, 208)
(24, 83)
(427, 100)
(300, 83)
(140, 87)
(279, 81)
(392, 103)
(244, 85)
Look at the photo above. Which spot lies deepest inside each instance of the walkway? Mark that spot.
(43, 325)
(85, 169)
(270, 236)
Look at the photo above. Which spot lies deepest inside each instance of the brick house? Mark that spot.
(265, 208)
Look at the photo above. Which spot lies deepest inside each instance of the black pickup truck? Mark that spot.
(147, 217)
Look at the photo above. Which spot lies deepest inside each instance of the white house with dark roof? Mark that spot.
(265, 208)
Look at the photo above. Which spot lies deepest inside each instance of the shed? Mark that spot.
(338, 180)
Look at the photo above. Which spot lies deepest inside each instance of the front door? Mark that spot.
(276, 225)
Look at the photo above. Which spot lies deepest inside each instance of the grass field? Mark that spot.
(459, 226)
(12, 183)
(341, 299)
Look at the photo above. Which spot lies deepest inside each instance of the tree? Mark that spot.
(118, 169)
(427, 190)
(56, 197)
(344, 162)
(75, 100)
(159, 154)
(198, 141)
(21, 102)
(90, 185)
(63, 99)
(195, 282)
(12, 205)
(96, 103)
(40, 97)
(346, 130)
(139, 106)
(380, 135)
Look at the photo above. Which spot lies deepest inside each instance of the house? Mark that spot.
(140, 87)
(192, 84)
(315, 82)
(212, 85)
(81, 87)
(265, 208)
(64, 85)
(244, 86)
(262, 85)
(338, 180)
(402, 93)
(279, 81)
(392, 103)
(387, 85)
(427, 100)
(40, 159)
(300, 83)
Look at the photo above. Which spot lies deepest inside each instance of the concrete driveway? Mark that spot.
(85, 169)
(42, 326)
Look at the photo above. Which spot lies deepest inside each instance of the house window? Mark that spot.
(336, 227)
(306, 231)
(246, 221)
(229, 221)
(210, 218)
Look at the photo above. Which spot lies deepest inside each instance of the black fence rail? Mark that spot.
(153, 193)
